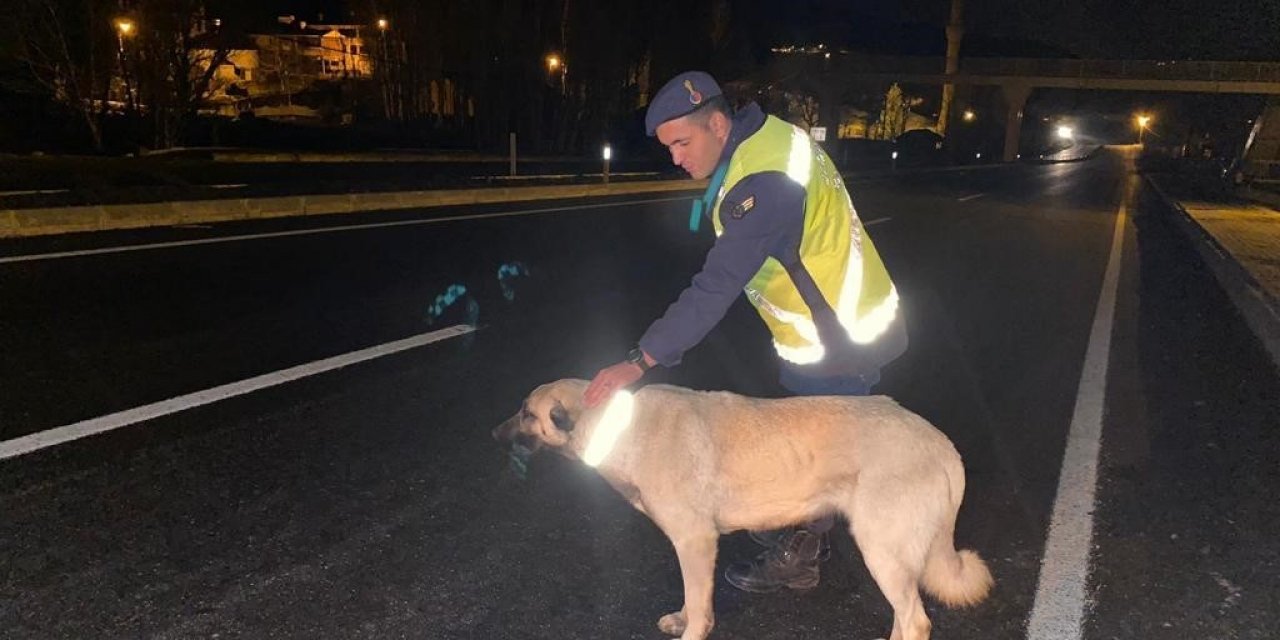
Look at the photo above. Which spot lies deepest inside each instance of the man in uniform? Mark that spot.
(786, 234)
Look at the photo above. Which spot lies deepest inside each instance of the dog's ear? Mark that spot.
(560, 416)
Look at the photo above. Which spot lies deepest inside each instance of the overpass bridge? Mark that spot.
(830, 73)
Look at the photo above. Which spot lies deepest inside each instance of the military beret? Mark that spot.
(679, 97)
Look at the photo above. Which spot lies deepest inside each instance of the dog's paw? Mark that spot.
(672, 624)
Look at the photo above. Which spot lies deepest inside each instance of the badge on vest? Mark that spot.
(742, 208)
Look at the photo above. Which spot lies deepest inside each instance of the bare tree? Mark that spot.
(180, 48)
(66, 46)
(496, 55)
(802, 109)
(284, 66)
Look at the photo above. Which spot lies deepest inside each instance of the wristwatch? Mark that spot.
(636, 356)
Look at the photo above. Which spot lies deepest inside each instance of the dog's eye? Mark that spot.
(526, 414)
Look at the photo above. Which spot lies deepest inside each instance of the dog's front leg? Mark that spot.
(697, 554)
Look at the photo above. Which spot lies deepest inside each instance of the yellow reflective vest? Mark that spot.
(834, 249)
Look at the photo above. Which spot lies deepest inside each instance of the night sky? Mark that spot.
(1144, 29)
(1198, 29)
(1159, 29)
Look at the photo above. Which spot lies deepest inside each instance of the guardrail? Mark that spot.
(1200, 70)
(1263, 170)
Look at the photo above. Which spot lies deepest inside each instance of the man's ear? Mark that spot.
(719, 125)
(560, 416)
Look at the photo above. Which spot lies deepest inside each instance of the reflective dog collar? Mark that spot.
(616, 419)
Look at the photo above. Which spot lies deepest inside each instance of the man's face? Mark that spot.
(695, 146)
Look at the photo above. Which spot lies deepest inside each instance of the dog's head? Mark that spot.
(547, 417)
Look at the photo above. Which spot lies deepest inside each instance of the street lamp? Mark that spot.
(969, 115)
(384, 71)
(556, 67)
(125, 28)
(1066, 133)
(1143, 121)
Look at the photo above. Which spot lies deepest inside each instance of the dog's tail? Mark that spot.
(957, 579)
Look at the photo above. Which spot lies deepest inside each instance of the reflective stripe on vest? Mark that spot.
(864, 315)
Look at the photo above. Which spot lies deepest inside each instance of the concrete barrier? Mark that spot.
(15, 223)
(1255, 300)
(1264, 196)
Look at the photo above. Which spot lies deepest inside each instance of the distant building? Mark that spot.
(263, 71)
(299, 70)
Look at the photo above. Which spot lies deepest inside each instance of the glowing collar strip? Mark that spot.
(616, 419)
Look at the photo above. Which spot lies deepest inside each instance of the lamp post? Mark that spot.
(125, 28)
(606, 154)
(385, 63)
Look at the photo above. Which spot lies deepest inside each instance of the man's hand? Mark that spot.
(611, 379)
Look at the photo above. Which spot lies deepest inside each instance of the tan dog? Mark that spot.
(703, 464)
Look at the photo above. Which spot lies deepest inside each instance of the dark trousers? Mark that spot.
(798, 383)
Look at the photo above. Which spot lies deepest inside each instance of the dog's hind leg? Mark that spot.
(697, 554)
(903, 593)
(896, 565)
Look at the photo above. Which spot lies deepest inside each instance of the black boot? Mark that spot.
(769, 539)
(792, 563)
(773, 537)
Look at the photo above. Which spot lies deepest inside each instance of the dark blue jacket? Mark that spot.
(774, 230)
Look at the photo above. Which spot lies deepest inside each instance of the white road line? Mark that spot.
(302, 232)
(972, 197)
(36, 441)
(876, 221)
(1058, 612)
(560, 175)
(30, 192)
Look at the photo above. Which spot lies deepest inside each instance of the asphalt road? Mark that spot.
(368, 501)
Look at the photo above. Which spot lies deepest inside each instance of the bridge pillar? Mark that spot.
(1262, 152)
(1015, 96)
(955, 32)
